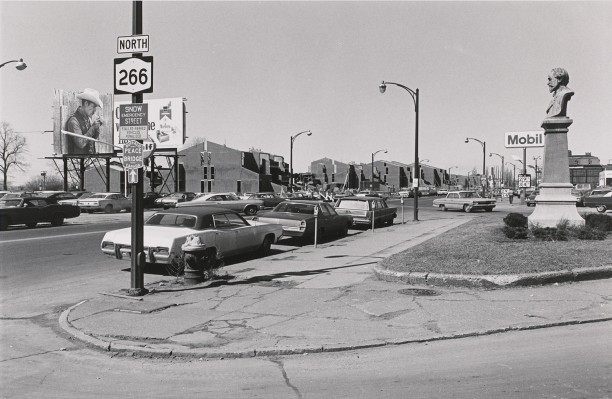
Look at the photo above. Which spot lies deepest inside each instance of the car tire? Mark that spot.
(444, 208)
(128, 210)
(250, 210)
(467, 208)
(4, 223)
(344, 230)
(489, 209)
(57, 220)
(601, 208)
(108, 208)
(31, 225)
(266, 245)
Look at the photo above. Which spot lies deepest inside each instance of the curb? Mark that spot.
(493, 281)
(149, 351)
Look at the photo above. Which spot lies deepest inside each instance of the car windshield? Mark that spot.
(468, 194)
(290, 207)
(46, 195)
(353, 204)
(171, 220)
(232, 197)
(9, 203)
(98, 196)
(175, 195)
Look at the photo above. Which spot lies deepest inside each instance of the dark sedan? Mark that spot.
(270, 200)
(298, 219)
(33, 210)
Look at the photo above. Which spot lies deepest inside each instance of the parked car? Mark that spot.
(464, 200)
(442, 191)
(600, 199)
(579, 195)
(33, 210)
(298, 219)
(172, 200)
(530, 199)
(107, 202)
(362, 209)
(227, 200)
(270, 200)
(3, 193)
(223, 231)
(53, 197)
(148, 199)
(75, 201)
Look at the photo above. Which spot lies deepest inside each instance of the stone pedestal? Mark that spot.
(555, 202)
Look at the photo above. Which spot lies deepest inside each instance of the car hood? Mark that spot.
(268, 216)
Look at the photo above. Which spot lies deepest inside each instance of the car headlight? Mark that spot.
(303, 225)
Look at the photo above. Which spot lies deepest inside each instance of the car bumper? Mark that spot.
(124, 252)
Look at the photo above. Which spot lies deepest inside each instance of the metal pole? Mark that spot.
(416, 157)
(138, 255)
(291, 166)
(484, 168)
(372, 178)
(108, 174)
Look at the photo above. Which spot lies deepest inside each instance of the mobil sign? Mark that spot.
(534, 138)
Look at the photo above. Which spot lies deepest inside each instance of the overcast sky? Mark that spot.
(255, 73)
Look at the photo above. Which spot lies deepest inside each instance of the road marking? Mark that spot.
(52, 237)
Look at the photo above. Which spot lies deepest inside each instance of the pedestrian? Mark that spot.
(84, 123)
(511, 196)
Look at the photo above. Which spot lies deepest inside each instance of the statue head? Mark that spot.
(558, 77)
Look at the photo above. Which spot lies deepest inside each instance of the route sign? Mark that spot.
(133, 176)
(133, 121)
(134, 75)
(524, 181)
(148, 148)
(133, 44)
(132, 155)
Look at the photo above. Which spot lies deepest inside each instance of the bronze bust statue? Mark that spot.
(557, 84)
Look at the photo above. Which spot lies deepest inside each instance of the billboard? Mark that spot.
(69, 105)
(534, 138)
(166, 122)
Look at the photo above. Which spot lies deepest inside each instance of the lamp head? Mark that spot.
(21, 65)
(467, 140)
(385, 151)
(382, 87)
(309, 133)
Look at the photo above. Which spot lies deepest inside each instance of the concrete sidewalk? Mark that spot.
(324, 299)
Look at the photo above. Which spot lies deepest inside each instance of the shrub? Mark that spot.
(516, 220)
(589, 233)
(598, 221)
(559, 233)
(516, 232)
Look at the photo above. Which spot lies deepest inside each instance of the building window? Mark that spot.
(209, 186)
(333, 177)
(212, 173)
(238, 186)
(205, 175)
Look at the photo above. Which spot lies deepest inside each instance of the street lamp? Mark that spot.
(484, 161)
(536, 167)
(502, 169)
(372, 181)
(291, 154)
(513, 175)
(449, 177)
(20, 64)
(415, 98)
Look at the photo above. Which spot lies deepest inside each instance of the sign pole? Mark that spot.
(138, 256)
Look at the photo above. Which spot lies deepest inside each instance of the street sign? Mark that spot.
(133, 121)
(134, 75)
(132, 155)
(133, 44)
(148, 148)
(524, 181)
(133, 176)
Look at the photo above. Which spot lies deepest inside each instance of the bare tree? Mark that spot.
(12, 148)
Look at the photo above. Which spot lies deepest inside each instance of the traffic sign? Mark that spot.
(524, 181)
(133, 121)
(133, 176)
(148, 148)
(132, 155)
(134, 75)
(133, 44)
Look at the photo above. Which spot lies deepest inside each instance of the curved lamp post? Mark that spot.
(20, 64)
(449, 177)
(372, 181)
(416, 176)
(291, 154)
(502, 169)
(484, 161)
(513, 175)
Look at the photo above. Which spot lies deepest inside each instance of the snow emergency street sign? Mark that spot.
(134, 121)
(134, 75)
(132, 155)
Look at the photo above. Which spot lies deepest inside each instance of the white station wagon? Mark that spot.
(464, 200)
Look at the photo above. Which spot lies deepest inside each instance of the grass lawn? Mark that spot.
(479, 247)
